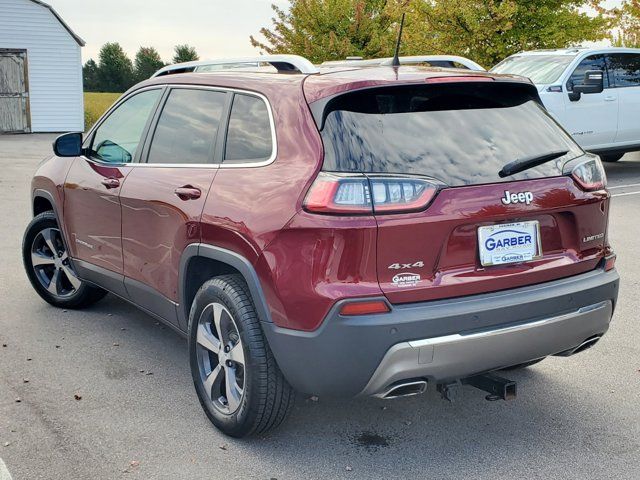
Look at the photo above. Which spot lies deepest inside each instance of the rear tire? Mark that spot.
(49, 268)
(238, 382)
(614, 157)
(524, 365)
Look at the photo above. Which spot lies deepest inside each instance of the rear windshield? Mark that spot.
(460, 134)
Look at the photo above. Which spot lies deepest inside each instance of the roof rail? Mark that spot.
(433, 59)
(446, 61)
(282, 63)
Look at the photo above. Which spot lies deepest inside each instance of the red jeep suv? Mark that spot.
(344, 231)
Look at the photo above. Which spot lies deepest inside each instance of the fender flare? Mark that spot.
(240, 263)
(39, 192)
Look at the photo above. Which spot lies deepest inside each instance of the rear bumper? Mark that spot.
(446, 339)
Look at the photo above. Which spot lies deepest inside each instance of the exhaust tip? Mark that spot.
(404, 389)
(588, 343)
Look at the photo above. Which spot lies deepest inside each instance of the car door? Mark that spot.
(592, 120)
(91, 205)
(625, 68)
(162, 198)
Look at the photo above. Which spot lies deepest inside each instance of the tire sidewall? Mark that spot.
(241, 422)
(39, 223)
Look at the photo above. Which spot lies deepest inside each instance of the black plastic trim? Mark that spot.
(230, 258)
(103, 278)
(151, 300)
(339, 358)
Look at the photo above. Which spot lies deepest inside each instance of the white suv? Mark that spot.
(602, 119)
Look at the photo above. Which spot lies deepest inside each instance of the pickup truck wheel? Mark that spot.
(614, 157)
(49, 268)
(238, 382)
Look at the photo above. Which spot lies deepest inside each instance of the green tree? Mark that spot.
(115, 70)
(185, 53)
(330, 29)
(90, 76)
(484, 30)
(487, 31)
(628, 23)
(146, 63)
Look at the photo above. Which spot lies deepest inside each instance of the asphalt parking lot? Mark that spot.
(106, 392)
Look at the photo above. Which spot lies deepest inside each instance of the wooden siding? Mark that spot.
(54, 64)
(13, 92)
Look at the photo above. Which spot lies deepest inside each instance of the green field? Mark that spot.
(95, 104)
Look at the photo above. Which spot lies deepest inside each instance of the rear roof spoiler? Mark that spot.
(282, 63)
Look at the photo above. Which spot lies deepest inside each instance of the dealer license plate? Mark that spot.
(509, 243)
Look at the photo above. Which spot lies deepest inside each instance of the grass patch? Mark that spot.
(95, 104)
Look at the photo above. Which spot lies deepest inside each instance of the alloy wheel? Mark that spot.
(50, 262)
(220, 356)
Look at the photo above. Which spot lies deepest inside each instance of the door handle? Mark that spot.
(110, 182)
(610, 98)
(187, 192)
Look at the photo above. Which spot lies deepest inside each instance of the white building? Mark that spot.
(40, 70)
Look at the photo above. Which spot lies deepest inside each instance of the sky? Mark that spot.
(217, 28)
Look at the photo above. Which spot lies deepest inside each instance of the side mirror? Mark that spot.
(68, 145)
(593, 83)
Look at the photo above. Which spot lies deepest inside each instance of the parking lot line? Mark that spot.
(4, 471)
(625, 186)
(624, 194)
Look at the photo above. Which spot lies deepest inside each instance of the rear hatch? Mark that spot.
(442, 168)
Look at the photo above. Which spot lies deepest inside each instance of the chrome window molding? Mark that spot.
(235, 164)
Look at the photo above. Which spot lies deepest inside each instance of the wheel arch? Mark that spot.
(201, 262)
(42, 201)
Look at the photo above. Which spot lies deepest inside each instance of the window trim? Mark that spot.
(612, 78)
(214, 160)
(89, 138)
(222, 132)
(249, 162)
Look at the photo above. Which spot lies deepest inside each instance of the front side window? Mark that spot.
(249, 135)
(188, 126)
(626, 69)
(594, 62)
(116, 140)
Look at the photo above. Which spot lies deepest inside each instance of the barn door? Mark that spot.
(14, 91)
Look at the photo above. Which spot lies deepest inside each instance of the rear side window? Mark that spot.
(117, 138)
(460, 134)
(188, 125)
(594, 62)
(249, 137)
(626, 69)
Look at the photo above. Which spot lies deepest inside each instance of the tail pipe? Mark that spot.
(404, 389)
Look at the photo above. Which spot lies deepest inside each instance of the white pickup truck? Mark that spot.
(603, 118)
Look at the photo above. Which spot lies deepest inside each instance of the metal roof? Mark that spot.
(75, 36)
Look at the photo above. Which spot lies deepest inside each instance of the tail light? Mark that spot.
(588, 172)
(334, 193)
(610, 262)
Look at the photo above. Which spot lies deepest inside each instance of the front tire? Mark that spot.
(49, 268)
(236, 378)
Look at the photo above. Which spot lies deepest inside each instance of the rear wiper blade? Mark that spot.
(526, 163)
